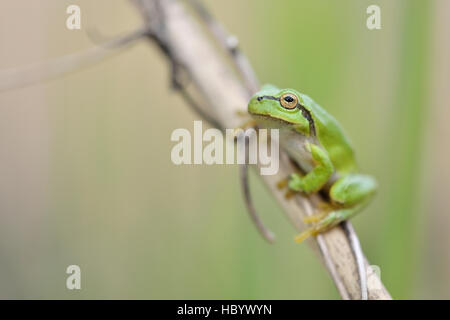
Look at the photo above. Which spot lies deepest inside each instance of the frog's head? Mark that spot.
(280, 108)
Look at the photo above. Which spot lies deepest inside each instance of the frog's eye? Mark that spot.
(289, 100)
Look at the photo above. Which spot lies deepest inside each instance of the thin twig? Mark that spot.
(329, 263)
(42, 71)
(230, 44)
(359, 257)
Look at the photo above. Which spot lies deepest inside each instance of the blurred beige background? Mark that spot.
(86, 176)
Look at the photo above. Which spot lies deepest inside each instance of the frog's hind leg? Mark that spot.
(323, 209)
(353, 189)
(350, 194)
(330, 220)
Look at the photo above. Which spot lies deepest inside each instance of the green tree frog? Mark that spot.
(316, 143)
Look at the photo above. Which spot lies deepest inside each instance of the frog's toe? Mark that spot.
(315, 217)
(323, 221)
(282, 183)
(289, 194)
(295, 182)
(306, 234)
(312, 231)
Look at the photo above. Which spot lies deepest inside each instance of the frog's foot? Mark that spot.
(312, 231)
(282, 183)
(320, 226)
(306, 234)
(329, 220)
(295, 182)
(289, 194)
(323, 209)
(288, 181)
(315, 217)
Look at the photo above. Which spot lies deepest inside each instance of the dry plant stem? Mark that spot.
(230, 44)
(348, 227)
(226, 96)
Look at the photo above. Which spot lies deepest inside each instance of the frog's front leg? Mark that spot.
(314, 180)
(349, 194)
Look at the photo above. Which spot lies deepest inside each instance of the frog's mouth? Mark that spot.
(260, 117)
(268, 97)
(261, 114)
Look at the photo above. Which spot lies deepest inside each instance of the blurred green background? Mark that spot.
(86, 176)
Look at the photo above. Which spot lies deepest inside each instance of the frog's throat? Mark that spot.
(271, 117)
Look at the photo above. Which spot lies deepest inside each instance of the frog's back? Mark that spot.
(332, 137)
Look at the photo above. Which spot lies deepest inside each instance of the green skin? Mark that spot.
(318, 145)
